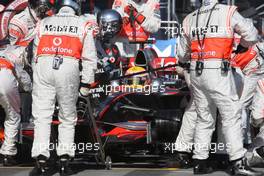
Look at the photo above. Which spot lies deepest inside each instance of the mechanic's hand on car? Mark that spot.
(125, 20)
(84, 90)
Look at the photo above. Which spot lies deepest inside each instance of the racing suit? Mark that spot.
(11, 73)
(215, 25)
(56, 76)
(185, 138)
(257, 115)
(251, 64)
(22, 30)
(258, 108)
(149, 11)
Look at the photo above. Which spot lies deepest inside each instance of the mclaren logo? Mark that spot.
(61, 29)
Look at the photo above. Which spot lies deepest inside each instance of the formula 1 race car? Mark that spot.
(133, 120)
(140, 110)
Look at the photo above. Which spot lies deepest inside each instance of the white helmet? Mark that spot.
(74, 4)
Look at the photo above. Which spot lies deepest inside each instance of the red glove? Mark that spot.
(139, 17)
(125, 20)
(130, 8)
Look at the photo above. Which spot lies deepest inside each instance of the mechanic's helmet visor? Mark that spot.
(110, 23)
(109, 29)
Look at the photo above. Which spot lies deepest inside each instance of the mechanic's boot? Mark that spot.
(240, 168)
(201, 167)
(9, 161)
(64, 166)
(254, 158)
(185, 160)
(181, 160)
(41, 168)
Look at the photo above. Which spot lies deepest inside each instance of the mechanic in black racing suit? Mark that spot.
(109, 67)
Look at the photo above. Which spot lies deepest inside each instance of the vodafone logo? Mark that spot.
(57, 41)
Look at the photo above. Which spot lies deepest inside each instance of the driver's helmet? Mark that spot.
(137, 80)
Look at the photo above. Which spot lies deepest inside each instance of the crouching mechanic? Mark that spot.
(21, 31)
(212, 80)
(251, 62)
(12, 73)
(22, 27)
(140, 19)
(62, 41)
(258, 116)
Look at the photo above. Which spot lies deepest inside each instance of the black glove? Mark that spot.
(240, 49)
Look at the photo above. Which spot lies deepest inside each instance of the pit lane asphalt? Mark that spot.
(24, 171)
(116, 171)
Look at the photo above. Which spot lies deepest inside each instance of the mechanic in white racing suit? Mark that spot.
(256, 153)
(11, 73)
(207, 39)
(21, 31)
(258, 105)
(258, 114)
(140, 19)
(22, 27)
(185, 139)
(251, 62)
(62, 41)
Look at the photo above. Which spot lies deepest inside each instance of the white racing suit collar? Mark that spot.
(32, 15)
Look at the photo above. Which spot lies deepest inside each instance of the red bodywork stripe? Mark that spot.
(123, 133)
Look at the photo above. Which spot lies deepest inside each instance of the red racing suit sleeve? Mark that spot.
(152, 20)
(16, 31)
